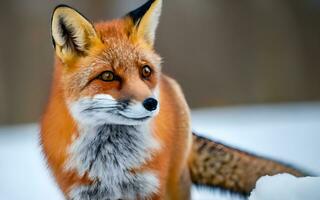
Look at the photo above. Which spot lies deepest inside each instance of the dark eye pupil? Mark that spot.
(146, 71)
(107, 76)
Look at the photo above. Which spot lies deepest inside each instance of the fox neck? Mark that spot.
(109, 154)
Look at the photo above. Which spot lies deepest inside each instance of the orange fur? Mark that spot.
(123, 46)
(170, 126)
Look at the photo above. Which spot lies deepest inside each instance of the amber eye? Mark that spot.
(107, 76)
(146, 71)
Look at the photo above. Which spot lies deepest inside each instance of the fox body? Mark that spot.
(117, 128)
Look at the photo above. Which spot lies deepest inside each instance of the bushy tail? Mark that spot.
(215, 164)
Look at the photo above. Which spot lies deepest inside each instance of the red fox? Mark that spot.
(117, 128)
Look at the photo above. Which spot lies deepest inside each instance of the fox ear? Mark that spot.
(146, 20)
(72, 34)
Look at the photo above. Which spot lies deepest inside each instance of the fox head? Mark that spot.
(109, 71)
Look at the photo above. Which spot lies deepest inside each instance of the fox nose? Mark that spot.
(150, 104)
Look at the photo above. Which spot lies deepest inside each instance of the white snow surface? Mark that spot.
(288, 132)
(286, 186)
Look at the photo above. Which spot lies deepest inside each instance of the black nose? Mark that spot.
(150, 104)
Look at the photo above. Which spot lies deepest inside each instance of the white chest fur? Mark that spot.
(107, 153)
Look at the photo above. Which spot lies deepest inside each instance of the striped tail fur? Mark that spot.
(217, 165)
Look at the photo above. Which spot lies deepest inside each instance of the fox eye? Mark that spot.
(146, 71)
(107, 76)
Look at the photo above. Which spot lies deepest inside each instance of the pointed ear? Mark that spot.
(146, 20)
(72, 34)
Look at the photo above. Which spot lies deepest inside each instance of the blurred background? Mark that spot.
(250, 71)
(222, 52)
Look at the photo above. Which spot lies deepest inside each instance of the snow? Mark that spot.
(289, 132)
(23, 173)
(285, 186)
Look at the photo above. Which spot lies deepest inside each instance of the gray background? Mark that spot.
(223, 52)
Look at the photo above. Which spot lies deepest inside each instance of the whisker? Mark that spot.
(123, 104)
(110, 108)
(102, 99)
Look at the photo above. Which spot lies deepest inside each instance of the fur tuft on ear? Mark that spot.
(146, 20)
(72, 34)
